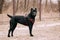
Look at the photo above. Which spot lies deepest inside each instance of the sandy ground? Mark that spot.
(43, 30)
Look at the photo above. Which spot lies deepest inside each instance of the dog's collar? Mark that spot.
(31, 20)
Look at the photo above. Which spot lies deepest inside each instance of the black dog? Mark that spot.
(27, 21)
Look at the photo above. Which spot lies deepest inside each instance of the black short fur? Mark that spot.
(27, 21)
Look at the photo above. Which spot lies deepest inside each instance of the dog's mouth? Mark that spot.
(34, 13)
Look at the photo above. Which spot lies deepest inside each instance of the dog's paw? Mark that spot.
(8, 36)
(12, 35)
(31, 35)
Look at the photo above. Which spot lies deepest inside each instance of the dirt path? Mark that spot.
(49, 31)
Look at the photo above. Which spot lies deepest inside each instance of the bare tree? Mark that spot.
(34, 2)
(46, 6)
(17, 5)
(1, 5)
(59, 5)
(40, 9)
(46, 3)
(25, 4)
(51, 5)
(14, 7)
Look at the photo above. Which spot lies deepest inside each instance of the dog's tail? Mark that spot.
(9, 15)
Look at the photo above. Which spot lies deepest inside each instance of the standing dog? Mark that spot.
(27, 21)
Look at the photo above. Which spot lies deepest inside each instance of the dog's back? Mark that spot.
(20, 19)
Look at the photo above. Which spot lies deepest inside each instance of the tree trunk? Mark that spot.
(59, 5)
(46, 5)
(17, 5)
(1, 5)
(40, 9)
(51, 5)
(14, 10)
(34, 3)
(25, 4)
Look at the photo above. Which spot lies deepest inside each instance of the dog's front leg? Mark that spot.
(30, 29)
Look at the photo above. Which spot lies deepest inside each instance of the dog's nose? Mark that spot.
(34, 13)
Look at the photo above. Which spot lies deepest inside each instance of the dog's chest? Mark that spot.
(31, 20)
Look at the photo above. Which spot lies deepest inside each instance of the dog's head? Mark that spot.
(33, 12)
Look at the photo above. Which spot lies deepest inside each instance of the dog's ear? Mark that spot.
(35, 8)
(31, 9)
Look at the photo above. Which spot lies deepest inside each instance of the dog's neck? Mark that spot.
(30, 16)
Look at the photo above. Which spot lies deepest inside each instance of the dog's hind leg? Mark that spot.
(9, 32)
(12, 23)
(10, 28)
(14, 26)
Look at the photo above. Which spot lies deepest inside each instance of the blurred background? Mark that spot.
(47, 22)
(47, 9)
